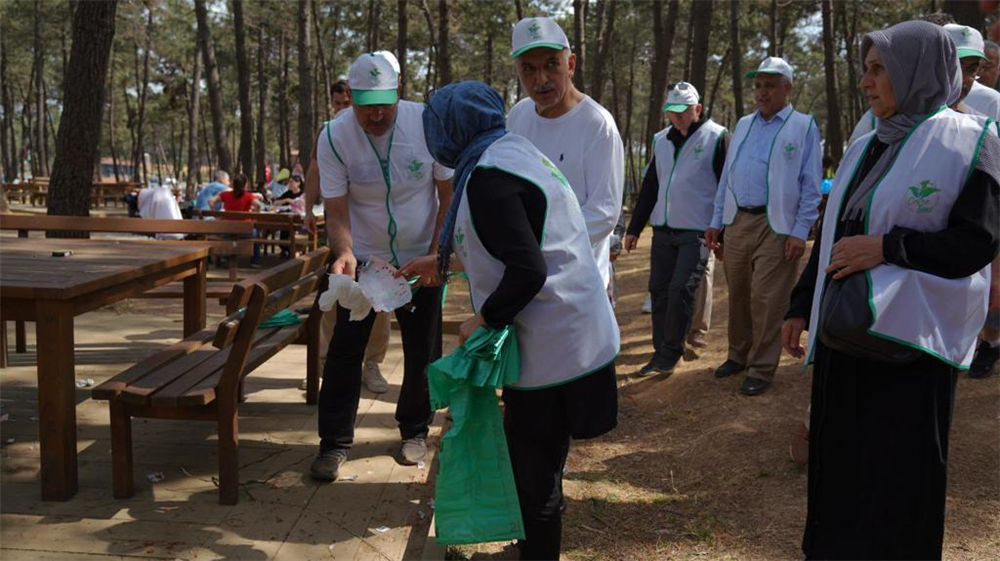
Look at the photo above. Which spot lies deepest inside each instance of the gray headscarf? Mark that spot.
(923, 69)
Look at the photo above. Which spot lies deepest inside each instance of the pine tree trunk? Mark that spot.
(324, 67)
(663, 41)
(772, 35)
(194, 103)
(224, 157)
(283, 134)
(243, 81)
(597, 85)
(737, 59)
(579, 42)
(834, 136)
(444, 59)
(39, 100)
(699, 47)
(79, 132)
(401, 47)
(6, 124)
(261, 105)
(431, 49)
(142, 86)
(305, 84)
(110, 92)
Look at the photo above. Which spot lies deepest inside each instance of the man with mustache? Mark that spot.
(767, 201)
(385, 198)
(572, 130)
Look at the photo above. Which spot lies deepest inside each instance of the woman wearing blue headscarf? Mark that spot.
(517, 228)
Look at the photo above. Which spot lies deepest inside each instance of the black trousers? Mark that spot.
(677, 264)
(420, 327)
(538, 425)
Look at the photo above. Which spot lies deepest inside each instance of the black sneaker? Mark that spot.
(754, 386)
(984, 360)
(729, 368)
(655, 369)
(326, 466)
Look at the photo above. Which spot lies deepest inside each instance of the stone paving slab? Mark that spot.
(282, 514)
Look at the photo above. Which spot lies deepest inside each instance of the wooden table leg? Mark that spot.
(194, 300)
(56, 399)
(20, 337)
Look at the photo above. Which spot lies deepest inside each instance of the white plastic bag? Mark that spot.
(345, 290)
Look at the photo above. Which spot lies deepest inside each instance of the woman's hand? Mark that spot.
(854, 254)
(425, 267)
(469, 327)
(791, 336)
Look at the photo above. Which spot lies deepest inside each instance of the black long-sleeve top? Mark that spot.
(651, 183)
(966, 245)
(509, 215)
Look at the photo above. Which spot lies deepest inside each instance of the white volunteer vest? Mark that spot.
(687, 183)
(392, 202)
(784, 165)
(569, 329)
(936, 315)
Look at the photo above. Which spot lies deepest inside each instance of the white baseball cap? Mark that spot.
(374, 79)
(681, 96)
(773, 65)
(968, 40)
(530, 33)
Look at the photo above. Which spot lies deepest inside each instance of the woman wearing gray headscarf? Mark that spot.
(893, 294)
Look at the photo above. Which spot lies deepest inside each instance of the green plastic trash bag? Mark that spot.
(281, 319)
(475, 497)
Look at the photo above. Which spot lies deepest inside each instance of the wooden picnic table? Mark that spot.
(50, 291)
(269, 223)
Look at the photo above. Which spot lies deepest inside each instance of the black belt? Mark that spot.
(753, 209)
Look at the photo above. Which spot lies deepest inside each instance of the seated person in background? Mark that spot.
(220, 184)
(293, 193)
(280, 183)
(240, 200)
(159, 202)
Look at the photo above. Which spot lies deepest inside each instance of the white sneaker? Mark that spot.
(371, 376)
(647, 306)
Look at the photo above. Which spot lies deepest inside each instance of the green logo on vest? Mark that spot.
(535, 30)
(921, 198)
(376, 75)
(699, 149)
(460, 236)
(555, 172)
(789, 151)
(415, 169)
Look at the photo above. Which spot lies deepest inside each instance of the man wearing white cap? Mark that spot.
(572, 130)
(767, 201)
(971, 58)
(385, 198)
(677, 198)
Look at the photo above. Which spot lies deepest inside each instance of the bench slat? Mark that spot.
(124, 225)
(139, 391)
(109, 388)
(277, 338)
(215, 289)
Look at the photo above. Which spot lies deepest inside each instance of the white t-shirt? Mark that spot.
(394, 222)
(984, 100)
(586, 147)
(159, 202)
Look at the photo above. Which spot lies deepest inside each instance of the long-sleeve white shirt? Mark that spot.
(586, 147)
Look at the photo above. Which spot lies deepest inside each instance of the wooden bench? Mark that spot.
(266, 223)
(201, 377)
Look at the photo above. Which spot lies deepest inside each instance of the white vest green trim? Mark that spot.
(784, 165)
(938, 316)
(379, 186)
(687, 182)
(569, 329)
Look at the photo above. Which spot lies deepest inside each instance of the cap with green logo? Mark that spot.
(681, 96)
(968, 40)
(531, 33)
(374, 79)
(773, 65)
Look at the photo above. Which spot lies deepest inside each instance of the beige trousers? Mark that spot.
(760, 282)
(378, 343)
(701, 321)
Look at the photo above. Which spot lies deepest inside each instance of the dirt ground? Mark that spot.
(697, 471)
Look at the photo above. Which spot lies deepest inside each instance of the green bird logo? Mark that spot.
(535, 30)
(460, 236)
(966, 33)
(415, 168)
(699, 149)
(376, 75)
(920, 198)
(789, 150)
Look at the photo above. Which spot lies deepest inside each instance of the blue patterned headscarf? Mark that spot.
(460, 122)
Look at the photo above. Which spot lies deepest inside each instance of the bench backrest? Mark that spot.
(267, 296)
(44, 223)
(277, 277)
(277, 218)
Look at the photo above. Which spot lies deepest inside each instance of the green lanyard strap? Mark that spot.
(391, 228)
